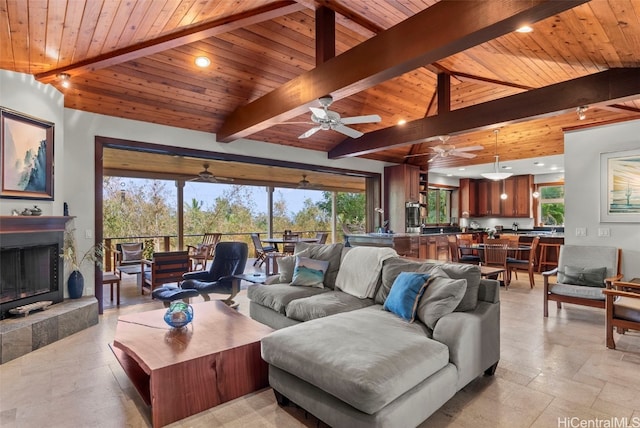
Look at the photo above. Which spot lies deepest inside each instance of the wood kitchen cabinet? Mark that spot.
(518, 202)
(401, 185)
(487, 198)
(434, 247)
(468, 194)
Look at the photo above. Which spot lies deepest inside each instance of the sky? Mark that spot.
(207, 193)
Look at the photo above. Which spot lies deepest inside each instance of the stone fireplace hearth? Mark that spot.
(31, 270)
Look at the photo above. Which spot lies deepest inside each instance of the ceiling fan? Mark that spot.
(444, 150)
(208, 177)
(304, 183)
(327, 119)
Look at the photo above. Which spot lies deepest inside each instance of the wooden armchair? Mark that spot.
(622, 304)
(127, 253)
(201, 254)
(582, 272)
(165, 268)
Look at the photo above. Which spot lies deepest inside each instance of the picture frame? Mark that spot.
(620, 186)
(26, 156)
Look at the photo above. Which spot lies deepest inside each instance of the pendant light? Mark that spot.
(495, 175)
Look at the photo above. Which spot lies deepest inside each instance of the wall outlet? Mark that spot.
(604, 232)
(88, 233)
(581, 231)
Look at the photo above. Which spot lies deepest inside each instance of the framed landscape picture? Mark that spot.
(620, 186)
(26, 156)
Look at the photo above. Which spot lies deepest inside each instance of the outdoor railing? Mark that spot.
(170, 242)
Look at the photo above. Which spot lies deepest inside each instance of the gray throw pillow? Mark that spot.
(391, 268)
(285, 268)
(590, 277)
(472, 274)
(442, 296)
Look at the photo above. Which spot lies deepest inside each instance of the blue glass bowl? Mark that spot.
(179, 314)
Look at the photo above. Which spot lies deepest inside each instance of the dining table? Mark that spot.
(276, 241)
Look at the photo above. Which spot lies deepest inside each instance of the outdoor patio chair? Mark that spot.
(165, 267)
(260, 250)
(201, 254)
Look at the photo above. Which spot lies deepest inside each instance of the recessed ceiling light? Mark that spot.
(460, 169)
(402, 121)
(524, 29)
(449, 175)
(553, 168)
(506, 167)
(538, 163)
(203, 61)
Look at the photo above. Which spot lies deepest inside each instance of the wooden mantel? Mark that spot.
(30, 224)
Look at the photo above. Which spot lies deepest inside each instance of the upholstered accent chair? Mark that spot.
(582, 272)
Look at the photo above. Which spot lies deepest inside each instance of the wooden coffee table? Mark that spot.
(183, 372)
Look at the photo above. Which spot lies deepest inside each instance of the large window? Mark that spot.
(552, 205)
(438, 206)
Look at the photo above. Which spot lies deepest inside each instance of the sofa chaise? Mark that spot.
(350, 360)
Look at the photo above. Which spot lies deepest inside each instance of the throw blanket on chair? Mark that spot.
(360, 270)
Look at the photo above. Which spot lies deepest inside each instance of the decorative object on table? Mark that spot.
(65, 209)
(26, 211)
(74, 261)
(620, 186)
(179, 314)
(26, 152)
(36, 211)
(25, 309)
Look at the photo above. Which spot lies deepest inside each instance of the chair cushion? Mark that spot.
(278, 296)
(325, 304)
(590, 277)
(627, 308)
(373, 358)
(131, 252)
(589, 256)
(593, 293)
(405, 293)
(309, 272)
(442, 296)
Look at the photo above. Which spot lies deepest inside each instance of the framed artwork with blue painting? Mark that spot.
(26, 156)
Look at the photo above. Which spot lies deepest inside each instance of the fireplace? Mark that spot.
(31, 269)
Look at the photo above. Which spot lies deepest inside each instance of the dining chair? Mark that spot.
(463, 251)
(529, 264)
(495, 254)
(290, 239)
(622, 305)
(322, 237)
(261, 251)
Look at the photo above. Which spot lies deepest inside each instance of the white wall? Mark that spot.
(582, 190)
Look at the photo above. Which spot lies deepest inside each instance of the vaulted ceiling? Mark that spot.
(448, 67)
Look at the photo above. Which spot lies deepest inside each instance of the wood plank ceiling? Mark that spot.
(135, 59)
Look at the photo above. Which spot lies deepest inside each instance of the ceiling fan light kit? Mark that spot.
(330, 120)
(496, 175)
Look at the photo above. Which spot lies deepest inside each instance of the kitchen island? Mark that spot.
(423, 246)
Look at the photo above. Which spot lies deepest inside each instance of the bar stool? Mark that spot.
(544, 255)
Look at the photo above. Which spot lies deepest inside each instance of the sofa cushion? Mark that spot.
(331, 253)
(366, 358)
(391, 268)
(322, 305)
(278, 296)
(594, 293)
(590, 277)
(472, 274)
(442, 296)
(309, 272)
(405, 293)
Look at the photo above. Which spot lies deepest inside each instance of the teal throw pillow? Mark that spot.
(309, 272)
(590, 277)
(405, 293)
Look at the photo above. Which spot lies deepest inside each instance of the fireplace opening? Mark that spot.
(30, 269)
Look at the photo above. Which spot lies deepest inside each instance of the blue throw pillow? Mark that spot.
(405, 293)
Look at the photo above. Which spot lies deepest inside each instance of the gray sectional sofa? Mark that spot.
(350, 362)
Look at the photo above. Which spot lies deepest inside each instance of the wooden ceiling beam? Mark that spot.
(175, 39)
(606, 87)
(325, 34)
(414, 42)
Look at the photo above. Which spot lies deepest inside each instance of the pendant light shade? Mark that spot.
(496, 175)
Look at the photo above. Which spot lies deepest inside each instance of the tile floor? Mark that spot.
(551, 370)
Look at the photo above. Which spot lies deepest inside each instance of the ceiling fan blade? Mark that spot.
(462, 154)
(417, 154)
(469, 149)
(318, 112)
(350, 132)
(310, 132)
(371, 118)
(225, 179)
